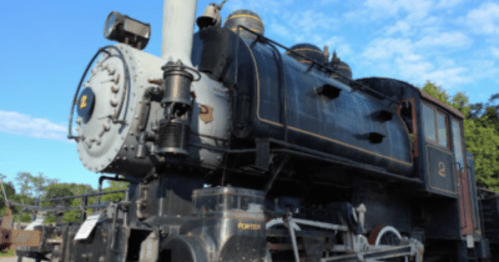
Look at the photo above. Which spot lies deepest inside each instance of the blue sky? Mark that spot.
(46, 45)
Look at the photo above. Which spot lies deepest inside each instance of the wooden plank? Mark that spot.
(25, 238)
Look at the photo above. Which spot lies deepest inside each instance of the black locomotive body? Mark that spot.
(314, 166)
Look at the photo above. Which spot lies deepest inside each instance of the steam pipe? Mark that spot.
(178, 29)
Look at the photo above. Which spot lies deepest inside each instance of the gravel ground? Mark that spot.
(14, 259)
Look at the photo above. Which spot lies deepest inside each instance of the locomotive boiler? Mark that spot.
(236, 150)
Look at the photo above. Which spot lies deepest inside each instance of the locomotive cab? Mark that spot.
(438, 149)
(443, 152)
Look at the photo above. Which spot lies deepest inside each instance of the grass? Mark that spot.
(9, 253)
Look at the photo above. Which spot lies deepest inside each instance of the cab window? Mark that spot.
(435, 126)
(406, 110)
(458, 144)
(442, 129)
(429, 123)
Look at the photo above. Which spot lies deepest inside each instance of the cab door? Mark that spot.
(461, 168)
(439, 157)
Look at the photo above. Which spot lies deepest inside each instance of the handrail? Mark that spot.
(63, 208)
(85, 195)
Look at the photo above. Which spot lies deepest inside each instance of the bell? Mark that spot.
(210, 17)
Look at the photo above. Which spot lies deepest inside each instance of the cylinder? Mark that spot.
(173, 137)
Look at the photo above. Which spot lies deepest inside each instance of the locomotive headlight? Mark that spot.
(127, 30)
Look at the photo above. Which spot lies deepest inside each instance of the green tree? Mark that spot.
(33, 186)
(63, 190)
(9, 190)
(12, 196)
(23, 180)
(437, 92)
(481, 132)
(115, 197)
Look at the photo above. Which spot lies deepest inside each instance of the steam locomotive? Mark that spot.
(236, 151)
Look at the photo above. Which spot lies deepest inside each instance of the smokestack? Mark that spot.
(178, 29)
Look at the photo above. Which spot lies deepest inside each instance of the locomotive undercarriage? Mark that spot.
(169, 216)
(302, 189)
(227, 224)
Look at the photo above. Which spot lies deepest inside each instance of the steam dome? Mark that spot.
(246, 18)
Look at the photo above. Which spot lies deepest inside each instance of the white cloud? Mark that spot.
(484, 19)
(401, 27)
(445, 39)
(450, 77)
(304, 25)
(309, 20)
(25, 125)
(328, 2)
(447, 3)
(340, 45)
(383, 9)
(261, 7)
(404, 59)
(279, 29)
(484, 68)
(494, 51)
(387, 48)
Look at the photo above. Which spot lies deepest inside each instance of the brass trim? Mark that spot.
(243, 15)
(252, 29)
(304, 49)
(344, 67)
